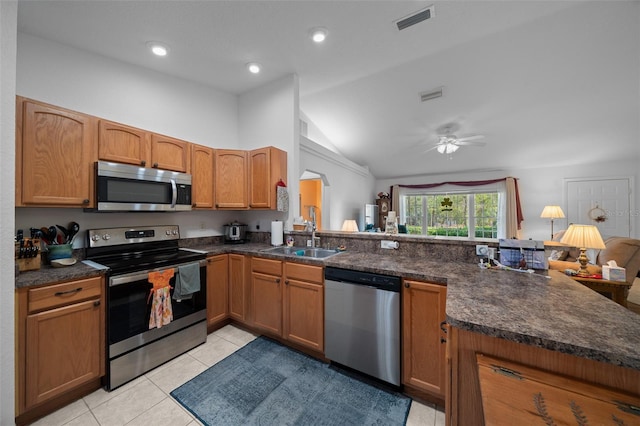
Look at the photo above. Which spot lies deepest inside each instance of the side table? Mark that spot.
(619, 290)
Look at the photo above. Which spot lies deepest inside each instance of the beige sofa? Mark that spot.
(625, 251)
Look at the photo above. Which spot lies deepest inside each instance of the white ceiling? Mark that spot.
(548, 83)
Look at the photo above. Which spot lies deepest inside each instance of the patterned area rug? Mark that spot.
(267, 383)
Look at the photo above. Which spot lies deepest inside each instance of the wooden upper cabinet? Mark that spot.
(55, 152)
(231, 174)
(129, 145)
(170, 154)
(202, 166)
(267, 166)
(123, 144)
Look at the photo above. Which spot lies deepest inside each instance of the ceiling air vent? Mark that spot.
(415, 18)
(432, 94)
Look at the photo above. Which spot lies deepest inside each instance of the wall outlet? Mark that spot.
(386, 244)
(482, 250)
(308, 243)
(492, 253)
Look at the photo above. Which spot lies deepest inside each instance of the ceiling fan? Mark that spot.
(448, 142)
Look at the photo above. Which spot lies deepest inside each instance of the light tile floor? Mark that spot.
(146, 400)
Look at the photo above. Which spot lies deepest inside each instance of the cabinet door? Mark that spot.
(58, 151)
(170, 154)
(266, 298)
(231, 187)
(304, 313)
(64, 349)
(423, 312)
(237, 289)
(202, 176)
(217, 289)
(123, 144)
(266, 167)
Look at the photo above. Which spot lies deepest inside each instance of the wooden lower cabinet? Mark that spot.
(303, 305)
(423, 347)
(61, 341)
(288, 301)
(494, 381)
(239, 288)
(217, 289)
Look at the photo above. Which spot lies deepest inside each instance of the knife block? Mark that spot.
(28, 263)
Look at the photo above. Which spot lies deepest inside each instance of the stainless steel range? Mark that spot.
(146, 326)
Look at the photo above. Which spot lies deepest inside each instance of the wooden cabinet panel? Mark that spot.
(423, 313)
(123, 144)
(513, 393)
(300, 271)
(267, 302)
(231, 174)
(64, 350)
(267, 166)
(217, 289)
(202, 163)
(60, 342)
(304, 313)
(56, 295)
(57, 150)
(170, 154)
(266, 266)
(238, 294)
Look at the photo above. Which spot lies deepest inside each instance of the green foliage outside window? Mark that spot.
(452, 214)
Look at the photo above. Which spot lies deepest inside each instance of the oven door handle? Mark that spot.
(129, 278)
(174, 190)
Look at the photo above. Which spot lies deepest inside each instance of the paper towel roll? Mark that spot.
(276, 233)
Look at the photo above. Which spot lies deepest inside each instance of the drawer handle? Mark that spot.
(96, 303)
(443, 326)
(407, 285)
(277, 280)
(62, 293)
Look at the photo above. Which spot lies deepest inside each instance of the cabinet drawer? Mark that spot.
(266, 266)
(299, 271)
(62, 294)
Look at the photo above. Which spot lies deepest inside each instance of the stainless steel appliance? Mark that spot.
(133, 347)
(235, 233)
(362, 322)
(121, 187)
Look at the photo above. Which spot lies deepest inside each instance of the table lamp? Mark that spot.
(583, 237)
(350, 225)
(552, 212)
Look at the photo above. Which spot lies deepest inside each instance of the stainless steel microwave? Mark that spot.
(122, 187)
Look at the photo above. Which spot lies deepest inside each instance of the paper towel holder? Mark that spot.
(277, 233)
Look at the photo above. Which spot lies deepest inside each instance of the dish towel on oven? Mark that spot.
(161, 312)
(187, 281)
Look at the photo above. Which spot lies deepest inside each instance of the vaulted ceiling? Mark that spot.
(546, 83)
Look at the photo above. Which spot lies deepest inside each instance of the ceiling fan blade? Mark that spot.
(471, 138)
(470, 143)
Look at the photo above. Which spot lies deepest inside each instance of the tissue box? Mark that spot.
(614, 273)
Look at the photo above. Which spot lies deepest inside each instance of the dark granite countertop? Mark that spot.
(554, 312)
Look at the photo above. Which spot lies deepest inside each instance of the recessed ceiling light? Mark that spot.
(253, 67)
(158, 49)
(318, 34)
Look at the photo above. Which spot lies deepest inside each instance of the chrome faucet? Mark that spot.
(312, 214)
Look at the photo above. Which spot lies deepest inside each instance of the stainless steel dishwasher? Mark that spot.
(362, 322)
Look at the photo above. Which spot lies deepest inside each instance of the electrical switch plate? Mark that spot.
(482, 250)
(386, 244)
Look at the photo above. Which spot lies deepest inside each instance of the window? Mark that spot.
(452, 215)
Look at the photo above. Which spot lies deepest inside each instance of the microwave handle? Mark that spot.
(174, 190)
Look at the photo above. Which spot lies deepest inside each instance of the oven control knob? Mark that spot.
(106, 237)
(168, 232)
(174, 232)
(95, 237)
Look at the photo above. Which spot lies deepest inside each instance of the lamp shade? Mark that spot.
(583, 236)
(552, 212)
(350, 225)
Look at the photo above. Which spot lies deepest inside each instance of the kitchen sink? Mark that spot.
(318, 253)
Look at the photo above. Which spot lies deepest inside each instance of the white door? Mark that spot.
(601, 202)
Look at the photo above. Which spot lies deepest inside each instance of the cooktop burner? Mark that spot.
(137, 249)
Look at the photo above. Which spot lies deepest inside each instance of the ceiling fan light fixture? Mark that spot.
(253, 67)
(157, 48)
(318, 34)
(447, 148)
